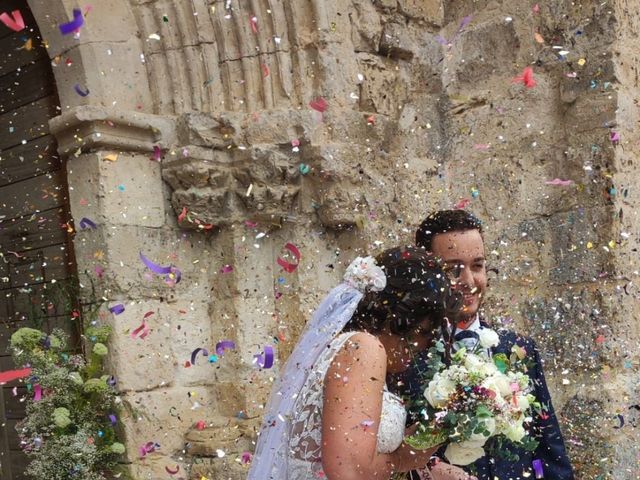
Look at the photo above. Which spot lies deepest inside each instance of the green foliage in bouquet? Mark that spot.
(69, 432)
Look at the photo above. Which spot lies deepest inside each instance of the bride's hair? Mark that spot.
(417, 288)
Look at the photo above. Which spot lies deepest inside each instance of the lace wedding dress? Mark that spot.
(305, 461)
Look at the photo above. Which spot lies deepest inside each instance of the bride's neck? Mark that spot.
(398, 351)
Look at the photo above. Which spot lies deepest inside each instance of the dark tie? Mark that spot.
(468, 338)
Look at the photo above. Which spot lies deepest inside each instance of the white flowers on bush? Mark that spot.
(363, 274)
(488, 338)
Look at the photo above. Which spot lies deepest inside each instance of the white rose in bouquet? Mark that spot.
(464, 453)
(474, 363)
(522, 402)
(514, 431)
(439, 390)
(488, 338)
(499, 383)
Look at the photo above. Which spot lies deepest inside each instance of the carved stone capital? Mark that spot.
(86, 128)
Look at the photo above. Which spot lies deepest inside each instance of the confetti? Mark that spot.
(111, 157)
(182, 215)
(117, 309)
(11, 375)
(526, 78)
(265, 359)
(83, 92)
(37, 393)
(157, 153)
(195, 353)
(172, 471)
(172, 274)
(539, 38)
(14, 21)
(86, 223)
(223, 345)
(73, 25)
(559, 182)
(287, 266)
(319, 104)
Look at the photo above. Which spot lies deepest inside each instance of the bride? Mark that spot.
(330, 414)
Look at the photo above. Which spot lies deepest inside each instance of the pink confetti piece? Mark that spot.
(571, 74)
(10, 375)
(14, 21)
(246, 457)
(253, 21)
(141, 332)
(250, 224)
(73, 25)
(288, 266)
(172, 471)
(265, 70)
(147, 448)
(482, 146)
(319, 104)
(182, 215)
(201, 425)
(614, 137)
(226, 269)
(526, 78)
(559, 182)
(99, 271)
(37, 393)
(462, 204)
(157, 153)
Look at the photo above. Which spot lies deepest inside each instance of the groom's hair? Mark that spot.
(445, 221)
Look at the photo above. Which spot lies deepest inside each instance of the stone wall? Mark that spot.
(336, 126)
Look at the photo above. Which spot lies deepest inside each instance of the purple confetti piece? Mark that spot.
(172, 274)
(37, 393)
(195, 353)
(73, 25)
(83, 92)
(86, 223)
(265, 360)
(113, 419)
(537, 467)
(224, 345)
(111, 381)
(465, 21)
(117, 309)
(441, 40)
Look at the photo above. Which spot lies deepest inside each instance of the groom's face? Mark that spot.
(463, 255)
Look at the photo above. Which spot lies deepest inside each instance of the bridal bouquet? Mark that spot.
(476, 402)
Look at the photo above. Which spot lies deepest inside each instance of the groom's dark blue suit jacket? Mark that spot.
(551, 449)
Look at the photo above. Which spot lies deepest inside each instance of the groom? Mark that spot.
(456, 237)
